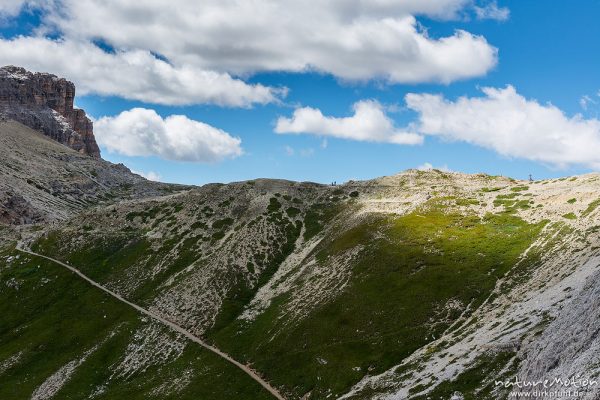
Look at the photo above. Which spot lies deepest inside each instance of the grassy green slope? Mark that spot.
(412, 268)
(48, 318)
(414, 276)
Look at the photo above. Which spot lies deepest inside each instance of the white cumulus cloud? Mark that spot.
(512, 125)
(350, 39)
(132, 74)
(150, 175)
(369, 123)
(142, 132)
(11, 7)
(429, 167)
(492, 11)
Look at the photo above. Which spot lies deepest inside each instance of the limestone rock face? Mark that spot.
(44, 102)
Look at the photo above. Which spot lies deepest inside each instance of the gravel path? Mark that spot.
(164, 321)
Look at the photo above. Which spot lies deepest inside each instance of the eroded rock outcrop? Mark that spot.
(44, 102)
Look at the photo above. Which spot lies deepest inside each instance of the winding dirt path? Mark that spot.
(164, 321)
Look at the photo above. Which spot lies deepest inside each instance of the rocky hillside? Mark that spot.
(43, 181)
(422, 285)
(44, 103)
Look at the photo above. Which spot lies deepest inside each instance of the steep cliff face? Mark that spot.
(44, 102)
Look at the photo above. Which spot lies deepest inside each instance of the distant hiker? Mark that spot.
(530, 178)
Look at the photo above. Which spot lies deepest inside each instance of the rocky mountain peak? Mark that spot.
(44, 102)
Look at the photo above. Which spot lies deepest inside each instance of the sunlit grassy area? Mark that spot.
(411, 269)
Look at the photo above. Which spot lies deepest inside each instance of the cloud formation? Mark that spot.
(508, 123)
(142, 132)
(369, 124)
(182, 52)
(429, 167)
(150, 175)
(351, 39)
(132, 74)
(11, 7)
(501, 120)
(492, 11)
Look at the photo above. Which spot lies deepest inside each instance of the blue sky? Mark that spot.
(550, 55)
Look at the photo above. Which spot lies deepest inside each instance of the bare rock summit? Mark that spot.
(44, 102)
